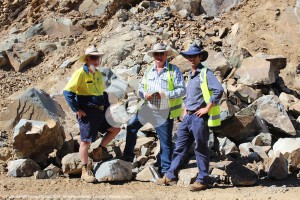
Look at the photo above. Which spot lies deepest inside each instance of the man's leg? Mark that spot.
(133, 127)
(183, 143)
(112, 132)
(83, 151)
(201, 134)
(164, 133)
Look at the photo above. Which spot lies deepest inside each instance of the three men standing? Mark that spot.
(203, 94)
(162, 87)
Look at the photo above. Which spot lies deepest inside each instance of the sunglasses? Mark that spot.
(159, 53)
(94, 57)
(191, 56)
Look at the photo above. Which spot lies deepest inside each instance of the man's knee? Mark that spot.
(114, 130)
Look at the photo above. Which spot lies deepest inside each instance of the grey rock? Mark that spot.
(94, 7)
(61, 27)
(247, 94)
(122, 15)
(69, 62)
(278, 168)
(67, 5)
(226, 146)
(216, 7)
(22, 168)
(188, 173)
(22, 59)
(32, 31)
(263, 139)
(33, 138)
(192, 6)
(184, 14)
(114, 170)
(255, 71)
(246, 149)
(47, 47)
(240, 175)
(32, 104)
(271, 111)
(71, 163)
(217, 62)
(51, 172)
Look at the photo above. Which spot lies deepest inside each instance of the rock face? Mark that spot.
(33, 138)
(114, 170)
(192, 6)
(61, 26)
(33, 104)
(255, 71)
(278, 168)
(216, 7)
(240, 175)
(21, 59)
(273, 113)
(22, 168)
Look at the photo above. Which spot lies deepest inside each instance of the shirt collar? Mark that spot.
(86, 69)
(199, 68)
(165, 66)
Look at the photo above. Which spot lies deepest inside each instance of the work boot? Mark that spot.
(165, 181)
(100, 154)
(87, 175)
(197, 186)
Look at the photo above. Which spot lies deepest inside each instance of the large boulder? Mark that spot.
(278, 167)
(33, 104)
(21, 59)
(217, 62)
(61, 27)
(271, 111)
(22, 168)
(33, 138)
(114, 170)
(216, 7)
(255, 71)
(192, 6)
(94, 7)
(240, 175)
(71, 163)
(242, 127)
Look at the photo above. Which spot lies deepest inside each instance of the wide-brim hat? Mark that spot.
(159, 47)
(195, 50)
(90, 51)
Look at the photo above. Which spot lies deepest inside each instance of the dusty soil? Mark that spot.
(74, 188)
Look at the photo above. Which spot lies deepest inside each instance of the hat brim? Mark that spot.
(203, 53)
(83, 57)
(150, 53)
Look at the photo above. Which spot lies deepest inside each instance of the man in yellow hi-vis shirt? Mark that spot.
(86, 96)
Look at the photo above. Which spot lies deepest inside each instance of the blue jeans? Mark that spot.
(164, 132)
(192, 129)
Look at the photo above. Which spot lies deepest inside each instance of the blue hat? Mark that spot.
(195, 50)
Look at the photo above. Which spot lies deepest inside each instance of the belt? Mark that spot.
(101, 108)
(190, 112)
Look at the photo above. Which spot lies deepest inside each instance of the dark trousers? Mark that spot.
(192, 129)
(163, 126)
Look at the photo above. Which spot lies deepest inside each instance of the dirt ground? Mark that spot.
(74, 188)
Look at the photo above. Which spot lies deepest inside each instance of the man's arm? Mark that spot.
(70, 93)
(217, 91)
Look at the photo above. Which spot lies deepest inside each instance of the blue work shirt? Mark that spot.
(194, 97)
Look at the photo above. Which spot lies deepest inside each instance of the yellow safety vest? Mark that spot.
(214, 113)
(175, 104)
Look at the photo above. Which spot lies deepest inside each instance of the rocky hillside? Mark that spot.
(253, 50)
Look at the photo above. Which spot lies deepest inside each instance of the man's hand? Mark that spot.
(80, 113)
(161, 95)
(148, 97)
(201, 112)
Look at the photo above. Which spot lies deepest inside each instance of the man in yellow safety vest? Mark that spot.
(203, 94)
(162, 87)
